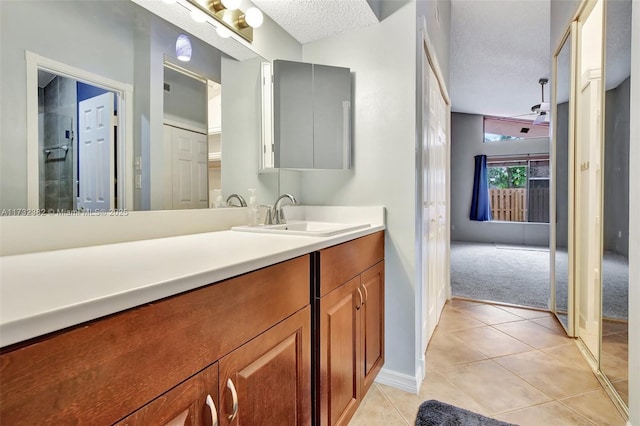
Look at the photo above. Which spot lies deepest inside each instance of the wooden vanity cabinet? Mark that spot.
(349, 312)
(268, 380)
(193, 402)
(158, 363)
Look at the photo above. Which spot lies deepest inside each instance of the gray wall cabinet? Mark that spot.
(312, 116)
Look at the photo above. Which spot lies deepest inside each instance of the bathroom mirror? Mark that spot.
(614, 355)
(562, 166)
(119, 50)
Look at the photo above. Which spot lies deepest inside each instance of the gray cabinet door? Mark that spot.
(331, 117)
(293, 114)
(312, 116)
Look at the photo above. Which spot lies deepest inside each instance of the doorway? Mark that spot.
(192, 139)
(77, 142)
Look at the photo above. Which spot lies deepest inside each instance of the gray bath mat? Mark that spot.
(436, 413)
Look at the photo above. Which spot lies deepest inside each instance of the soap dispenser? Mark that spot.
(254, 209)
(219, 201)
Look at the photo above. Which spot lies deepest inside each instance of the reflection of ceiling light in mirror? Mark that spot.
(223, 32)
(198, 16)
(253, 17)
(183, 48)
(231, 4)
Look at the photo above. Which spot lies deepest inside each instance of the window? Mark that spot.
(513, 129)
(519, 188)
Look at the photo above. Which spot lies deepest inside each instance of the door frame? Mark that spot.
(428, 58)
(124, 99)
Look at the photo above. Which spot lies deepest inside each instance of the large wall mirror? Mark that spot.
(614, 355)
(562, 170)
(99, 111)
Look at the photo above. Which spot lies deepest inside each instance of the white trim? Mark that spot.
(398, 380)
(124, 94)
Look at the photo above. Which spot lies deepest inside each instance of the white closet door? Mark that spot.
(189, 168)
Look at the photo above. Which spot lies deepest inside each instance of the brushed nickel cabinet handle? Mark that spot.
(361, 299)
(214, 413)
(234, 395)
(366, 294)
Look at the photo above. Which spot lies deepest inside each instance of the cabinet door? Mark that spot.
(373, 323)
(293, 114)
(194, 402)
(268, 380)
(331, 117)
(340, 353)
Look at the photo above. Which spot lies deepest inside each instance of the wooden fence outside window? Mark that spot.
(511, 204)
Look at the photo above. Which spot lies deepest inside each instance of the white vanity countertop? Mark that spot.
(48, 291)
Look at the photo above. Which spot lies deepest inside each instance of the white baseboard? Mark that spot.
(398, 380)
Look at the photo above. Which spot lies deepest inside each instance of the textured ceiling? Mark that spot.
(310, 20)
(499, 51)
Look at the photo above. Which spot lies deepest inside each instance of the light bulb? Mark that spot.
(231, 4)
(198, 16)
(253, 17)
(183, 48)
(223, 32)
(169, 1)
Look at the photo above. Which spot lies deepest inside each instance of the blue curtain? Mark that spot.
(480, 203)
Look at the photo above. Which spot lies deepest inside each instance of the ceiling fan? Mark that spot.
(543, 107)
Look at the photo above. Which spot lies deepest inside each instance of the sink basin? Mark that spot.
(314, 229)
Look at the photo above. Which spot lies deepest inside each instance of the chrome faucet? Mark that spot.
(238, 197)
(277, 215)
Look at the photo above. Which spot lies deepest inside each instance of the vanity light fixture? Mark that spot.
(228, 17)
(183, 48)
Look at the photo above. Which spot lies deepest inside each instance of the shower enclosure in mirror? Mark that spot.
(614, 355)
(563, 104)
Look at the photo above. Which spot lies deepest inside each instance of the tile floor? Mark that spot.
(511, 364)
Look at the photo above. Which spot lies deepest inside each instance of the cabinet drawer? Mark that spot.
(101, 371)
(338, 264)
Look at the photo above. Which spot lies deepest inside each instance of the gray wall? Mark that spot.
(616, 169)
(467, 135)
(186, 100)
(382, 60)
